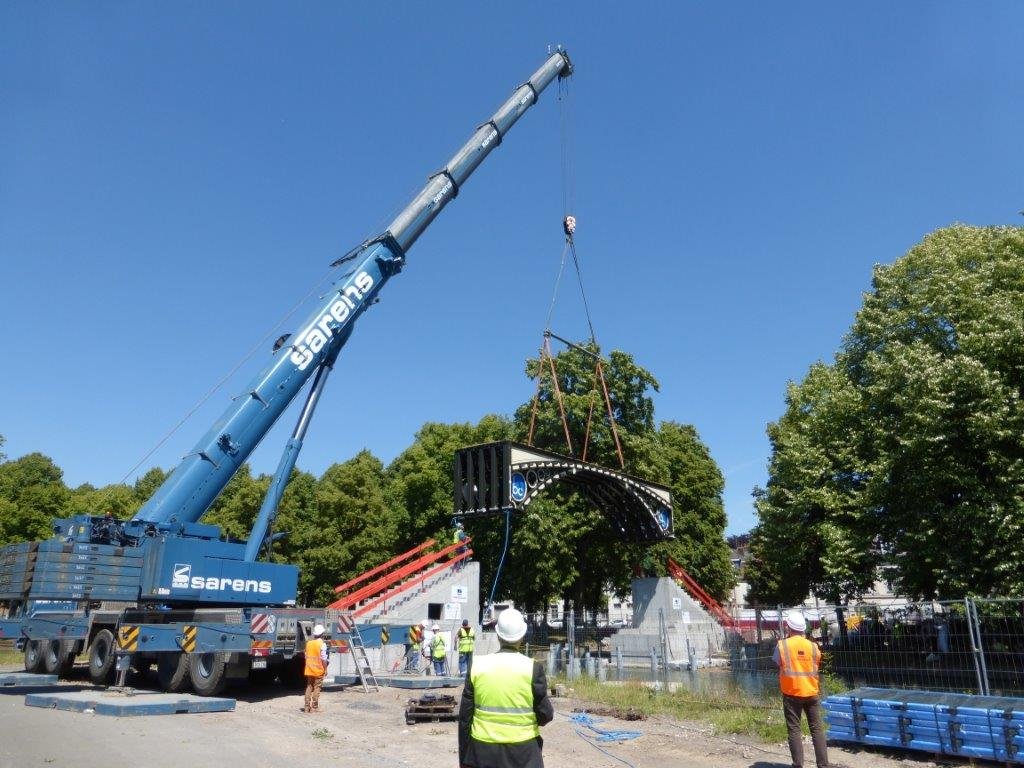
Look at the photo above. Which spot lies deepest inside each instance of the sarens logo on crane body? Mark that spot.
(314, 337)
(182, 578)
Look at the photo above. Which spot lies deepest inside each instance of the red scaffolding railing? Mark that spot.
(384, 566)
(403, 577)
(698, 593)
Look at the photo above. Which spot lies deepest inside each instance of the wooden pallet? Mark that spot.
(432, 708)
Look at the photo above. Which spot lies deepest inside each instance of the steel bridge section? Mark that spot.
(497, 477)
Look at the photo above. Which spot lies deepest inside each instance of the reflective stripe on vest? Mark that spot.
(314, 664)
(503, 699)
(798, 672)
(466, 640)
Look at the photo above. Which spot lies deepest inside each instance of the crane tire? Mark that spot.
(102, 658)
(208, 672)
(172, 670)
(58, 657)
(34, 652)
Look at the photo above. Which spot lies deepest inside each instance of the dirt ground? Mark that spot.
(359, 730)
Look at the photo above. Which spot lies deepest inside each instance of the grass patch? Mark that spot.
(322, 734)
(730, 712)
(9, 657)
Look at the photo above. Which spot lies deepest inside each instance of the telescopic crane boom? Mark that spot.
(197, 481)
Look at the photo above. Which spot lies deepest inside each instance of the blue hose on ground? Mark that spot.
(602, 733)
(588, 721)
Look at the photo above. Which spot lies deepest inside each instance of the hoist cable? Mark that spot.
(565, 114)
(583, 293)
(558, 282)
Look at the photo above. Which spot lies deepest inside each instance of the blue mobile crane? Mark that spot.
(166, 588)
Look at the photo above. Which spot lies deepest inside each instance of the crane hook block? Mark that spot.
(569, 225)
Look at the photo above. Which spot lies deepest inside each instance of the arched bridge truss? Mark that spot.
(497, 477)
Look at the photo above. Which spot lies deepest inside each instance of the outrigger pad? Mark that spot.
(119, 705)
(495, 477)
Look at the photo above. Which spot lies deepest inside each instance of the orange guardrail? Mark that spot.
(687, 582)
(383, 584)
(384, 566)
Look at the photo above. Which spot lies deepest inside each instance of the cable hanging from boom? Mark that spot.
(546, 361)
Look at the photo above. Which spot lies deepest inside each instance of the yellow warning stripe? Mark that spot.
(128, 638)
(188, 639)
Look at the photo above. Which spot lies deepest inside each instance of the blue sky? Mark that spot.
(175, 177)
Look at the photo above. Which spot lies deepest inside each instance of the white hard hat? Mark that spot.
(318, 630)
(511, 626)
(435, 628)
(795, 620)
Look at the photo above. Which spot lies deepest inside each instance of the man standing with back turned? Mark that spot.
(467, 639)
(504, 703)
(798, 659)
(316, 668)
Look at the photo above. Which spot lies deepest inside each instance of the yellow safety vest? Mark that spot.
(466, 639)
(798, 667)
(415, 635)
(314, 664)
(437, 646)
(503, 699)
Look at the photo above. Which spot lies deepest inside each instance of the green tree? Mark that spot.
(236, 508)
(699, 525)
(32, 494)
(420, 485)
(808, 538)
(117, 499)
(148, 484)
(352, 529)
(562, 546)
(909, 448)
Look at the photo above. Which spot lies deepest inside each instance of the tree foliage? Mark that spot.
(563, 547)
(32, 493)
(908, 450)
(359, 513)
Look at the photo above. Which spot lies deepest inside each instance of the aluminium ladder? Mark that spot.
(347, 624)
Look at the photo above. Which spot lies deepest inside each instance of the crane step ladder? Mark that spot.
(347, 625)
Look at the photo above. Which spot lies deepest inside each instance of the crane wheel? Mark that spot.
(102, 658)
(172, 671)
(208, 672)
(34, 655)
(58, 657)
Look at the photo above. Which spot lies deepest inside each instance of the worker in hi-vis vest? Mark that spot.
(438, 650)
(798, 660)
(504, 703)
(413, 640)
(316, 668)
(466, 640)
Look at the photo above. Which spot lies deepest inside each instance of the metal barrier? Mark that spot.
(963, 646)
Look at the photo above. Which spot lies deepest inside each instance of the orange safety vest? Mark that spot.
(314, 664)
(798, 666)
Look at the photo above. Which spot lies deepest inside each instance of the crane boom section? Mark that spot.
(201, 476)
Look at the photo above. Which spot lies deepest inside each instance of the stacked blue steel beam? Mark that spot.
(988, 727)
(69, 571)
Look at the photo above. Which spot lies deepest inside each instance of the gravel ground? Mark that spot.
(359, 730)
